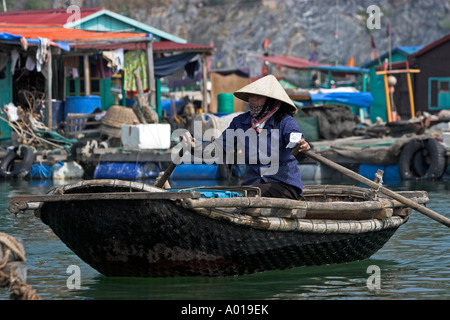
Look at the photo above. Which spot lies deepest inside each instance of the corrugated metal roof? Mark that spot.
(340, 69)
(405, 50)
(44, 16)
(169, 46)
(291, 62)
(60, 34)
(63, 18)
(431, 46)
(158, 47)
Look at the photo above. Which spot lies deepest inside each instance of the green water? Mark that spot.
(414, 264)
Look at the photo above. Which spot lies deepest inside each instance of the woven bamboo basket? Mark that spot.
(114, 118)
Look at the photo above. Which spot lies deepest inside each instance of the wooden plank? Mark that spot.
(251, 202)
(105, 196)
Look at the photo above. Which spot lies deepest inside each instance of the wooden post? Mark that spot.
(48, 91)
(205, 83)
(329, 79)
(87, 76)
(364, 84)
(309, 78)
(386, 88)
(150, 72)
(388, 99)
(411, 98)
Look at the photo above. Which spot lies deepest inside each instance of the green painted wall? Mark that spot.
(376, 87)
(5, 98)
(105, 23)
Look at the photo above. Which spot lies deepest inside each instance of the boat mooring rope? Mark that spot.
(18, 289)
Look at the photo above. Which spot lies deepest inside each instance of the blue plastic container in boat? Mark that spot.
(213, 193)
(126, 170)
(81, 104)
(196, 171)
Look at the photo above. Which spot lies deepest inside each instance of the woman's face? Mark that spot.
(256, 103)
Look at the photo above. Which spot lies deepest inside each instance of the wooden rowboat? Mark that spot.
(132, 229)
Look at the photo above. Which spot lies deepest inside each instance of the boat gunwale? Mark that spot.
(211, 207)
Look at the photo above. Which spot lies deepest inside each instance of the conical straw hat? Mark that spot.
(267, 86)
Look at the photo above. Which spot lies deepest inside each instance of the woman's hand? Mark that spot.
(188, 142)
(303, 145)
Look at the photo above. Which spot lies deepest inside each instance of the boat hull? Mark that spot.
(158, 238)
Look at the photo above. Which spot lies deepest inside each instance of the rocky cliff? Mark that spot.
(335, 29)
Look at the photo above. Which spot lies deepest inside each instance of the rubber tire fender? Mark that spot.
(437, 154)
(27, 156)
(411, 160)
(405, 161)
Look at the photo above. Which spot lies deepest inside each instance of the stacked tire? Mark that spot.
(422, 159)
(7, 168)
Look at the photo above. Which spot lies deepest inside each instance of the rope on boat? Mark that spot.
(18, 289)
(307, 225)
(379, 180)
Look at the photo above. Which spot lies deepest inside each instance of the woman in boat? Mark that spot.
(277, 175)
(271, 108)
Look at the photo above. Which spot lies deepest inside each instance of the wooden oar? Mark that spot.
(408, 202)
(162, 180)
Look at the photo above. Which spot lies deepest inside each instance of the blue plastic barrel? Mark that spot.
(126, 170)
(57, 112)
(81, 104)
(187, 171)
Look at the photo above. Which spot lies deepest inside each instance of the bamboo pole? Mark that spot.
(48, 90)
(414, 205)
(411, 98)
(388, 99)
(408, 77)
(87, 76)
(150, 72)
(205, 83)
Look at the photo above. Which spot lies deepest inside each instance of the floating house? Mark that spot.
(32, 57)
(376, 85)
(422, 80)
(80, 66)
(431, 85)
(321, 78)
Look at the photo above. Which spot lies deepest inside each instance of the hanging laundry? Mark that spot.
(71, 66)
(44, 70)
(135, 61)
(15, 57)
(30, 64)
(119, 57)
(4, 58)
(165, 66)
(24, 43)
(191, 67)
(103, 71)
(115, 59)
(42, 53)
